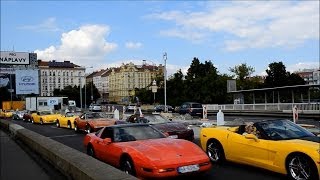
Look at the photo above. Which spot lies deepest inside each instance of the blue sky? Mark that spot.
(107, 33)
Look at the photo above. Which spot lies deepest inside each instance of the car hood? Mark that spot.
(102, 122)
(166, 150)
(169, 127)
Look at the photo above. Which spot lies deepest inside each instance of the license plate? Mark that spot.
(174, 136)
(190, 168)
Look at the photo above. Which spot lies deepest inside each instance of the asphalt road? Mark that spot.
(221, 172)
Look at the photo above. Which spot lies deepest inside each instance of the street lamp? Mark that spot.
(85, 90)
(165, 82)
(154, 90)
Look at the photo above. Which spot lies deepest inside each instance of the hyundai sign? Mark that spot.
(14, 58)
(27, 82)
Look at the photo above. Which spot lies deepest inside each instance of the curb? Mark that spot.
(70, 162)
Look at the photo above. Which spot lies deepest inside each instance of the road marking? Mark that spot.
(63, 136)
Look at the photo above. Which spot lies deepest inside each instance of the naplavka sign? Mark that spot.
(14, 58)
(27, 82)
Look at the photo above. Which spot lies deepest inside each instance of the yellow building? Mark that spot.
(124, 80)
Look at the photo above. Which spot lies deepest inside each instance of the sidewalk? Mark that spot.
(16, 164)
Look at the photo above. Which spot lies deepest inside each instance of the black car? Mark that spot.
(192, 108)
(160, 108)
(173, 129)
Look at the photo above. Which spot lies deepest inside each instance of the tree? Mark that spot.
(242, 71)
(276, 75)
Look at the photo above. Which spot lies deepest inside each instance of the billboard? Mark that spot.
(27, 82)
(14, 58)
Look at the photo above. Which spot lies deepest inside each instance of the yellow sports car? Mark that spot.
(43, 117)
(6, 113)
(67, 120)
(276, 145)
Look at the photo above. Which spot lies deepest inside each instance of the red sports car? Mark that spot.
(143, 151)
(173, 129)
(92, 121)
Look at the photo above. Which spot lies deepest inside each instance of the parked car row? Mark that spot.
(151, 146)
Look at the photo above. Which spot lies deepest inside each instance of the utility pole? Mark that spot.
(165, 82)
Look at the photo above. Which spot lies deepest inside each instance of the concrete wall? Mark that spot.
(72, 163)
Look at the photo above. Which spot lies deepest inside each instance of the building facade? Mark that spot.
(311, 76)
(124, 80)
(57, 75)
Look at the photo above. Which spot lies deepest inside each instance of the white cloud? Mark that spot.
(303, 65)
(252, 24)
(47, 25)
(86, 46)
(133, 45)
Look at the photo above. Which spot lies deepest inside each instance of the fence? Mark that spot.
(266, 107)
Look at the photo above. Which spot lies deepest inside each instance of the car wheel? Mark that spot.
(32, 121)
(58, 123)
(128, 167)
(88, 129)
(41, 122)
(76, 127)
(90, 151)
(215, 152)
(69, 125)
(301, 167)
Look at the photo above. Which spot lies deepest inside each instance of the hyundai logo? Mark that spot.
(26, 78)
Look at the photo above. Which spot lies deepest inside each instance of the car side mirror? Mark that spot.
(38, 113)
(107, 140)
(251, 136)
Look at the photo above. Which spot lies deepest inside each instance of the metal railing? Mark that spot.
(265, 107)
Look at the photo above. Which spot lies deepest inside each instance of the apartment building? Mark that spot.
(124, 80)
(57, 75)
(119, 84)
(311, 76)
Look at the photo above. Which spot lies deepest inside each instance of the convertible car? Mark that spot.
(93, 121)
(172, 129)
(44, 117)
(143, 151)
(277, 145)
(67, 120)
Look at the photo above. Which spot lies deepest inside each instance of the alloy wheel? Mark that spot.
(299, 168)
(215, 152)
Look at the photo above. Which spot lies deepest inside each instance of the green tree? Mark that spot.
(242, 71)
(276, 75)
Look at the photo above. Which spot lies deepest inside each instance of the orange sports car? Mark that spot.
(143, 151)
(92, 121)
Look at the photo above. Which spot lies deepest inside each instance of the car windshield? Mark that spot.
(133, 133)
(97, 115)
(46, 113)
(196, 105)
(283, 130)
(155, 119)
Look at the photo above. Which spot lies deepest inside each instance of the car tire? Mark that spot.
(41, 121)
(76, 127)
(69, 125)
(300, 166)
(127, 166)
(32, 121)
(215, 152)
(88, 129)
(57, 123)
(90, 151)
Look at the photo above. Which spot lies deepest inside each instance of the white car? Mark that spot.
(95, 107)
(130, 107)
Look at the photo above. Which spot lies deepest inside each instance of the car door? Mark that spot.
(245, 149)
(108, 152)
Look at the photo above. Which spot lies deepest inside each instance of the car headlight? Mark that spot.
(318, 151)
